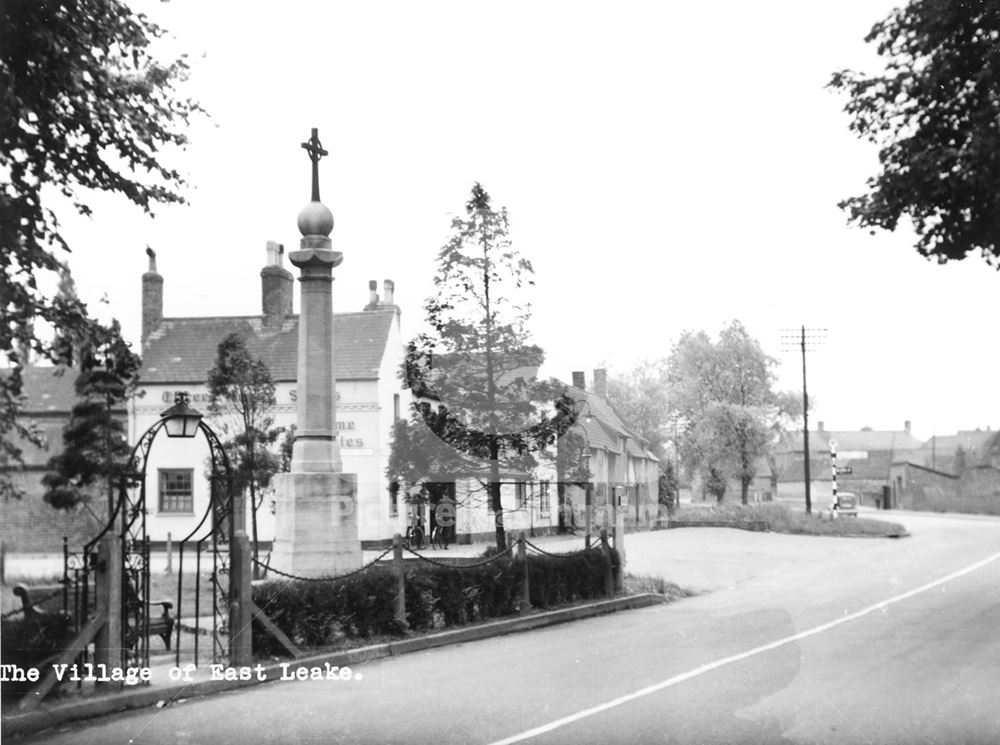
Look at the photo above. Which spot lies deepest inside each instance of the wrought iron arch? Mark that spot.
(131, 512)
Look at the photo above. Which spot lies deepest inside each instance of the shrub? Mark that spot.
(330, 613)
(564, 579)
(26, 644)
(324, 614)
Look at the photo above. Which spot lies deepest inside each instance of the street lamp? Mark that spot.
(588, 498)
(180, 420)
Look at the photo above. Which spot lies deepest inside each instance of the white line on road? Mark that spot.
(528, 734)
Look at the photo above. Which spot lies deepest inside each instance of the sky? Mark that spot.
(666, 167)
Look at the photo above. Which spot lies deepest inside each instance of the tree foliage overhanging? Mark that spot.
(934, 113)
(85, 107)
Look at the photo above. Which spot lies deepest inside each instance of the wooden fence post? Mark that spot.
(170, 555)
(108, 644)
(397, 568)
(240, 601)
(522, 553)
(609, 580)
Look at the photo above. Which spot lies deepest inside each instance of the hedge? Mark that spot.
(26, 645)
(323, 614)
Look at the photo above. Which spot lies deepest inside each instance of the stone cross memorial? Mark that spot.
(316, 532)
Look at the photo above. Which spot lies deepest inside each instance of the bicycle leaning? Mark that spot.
(414, 539)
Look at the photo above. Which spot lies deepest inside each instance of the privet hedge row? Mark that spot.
(325, 614)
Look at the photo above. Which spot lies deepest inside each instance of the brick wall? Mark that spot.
(30, 525)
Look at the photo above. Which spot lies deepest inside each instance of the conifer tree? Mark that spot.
(95, 443)
(479, 411)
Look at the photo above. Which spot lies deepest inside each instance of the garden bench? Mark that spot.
(44, 613)
(161, 625)
(42, 606)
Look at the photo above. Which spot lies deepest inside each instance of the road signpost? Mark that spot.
(833, 471)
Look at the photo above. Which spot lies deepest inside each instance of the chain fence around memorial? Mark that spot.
(454, 564)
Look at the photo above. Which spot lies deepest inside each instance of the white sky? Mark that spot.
(666, 166)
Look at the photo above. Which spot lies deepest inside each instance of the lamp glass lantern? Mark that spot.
(181, 419)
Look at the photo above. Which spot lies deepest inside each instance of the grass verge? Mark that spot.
(781, 519)
(640, 583)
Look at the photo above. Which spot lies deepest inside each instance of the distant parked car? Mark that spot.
(847, 504)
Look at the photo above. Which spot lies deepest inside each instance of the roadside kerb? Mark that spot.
(56, 714)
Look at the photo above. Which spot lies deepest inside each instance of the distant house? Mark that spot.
(533, 502)
(29, 524)
(967, 478)
(952, 453)
(863, 460)
(618, 456)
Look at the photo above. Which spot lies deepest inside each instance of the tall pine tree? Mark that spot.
(479, 411)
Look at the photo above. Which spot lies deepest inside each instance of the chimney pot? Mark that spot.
(906, 426)
(389, 288)
(272, 254)
(372, 295)
(601, 382)
(819, 425)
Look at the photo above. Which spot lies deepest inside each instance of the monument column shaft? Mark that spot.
(317, 446)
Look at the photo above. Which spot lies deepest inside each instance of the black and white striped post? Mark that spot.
(833, 472)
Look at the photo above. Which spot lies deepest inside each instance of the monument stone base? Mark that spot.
(316, 524)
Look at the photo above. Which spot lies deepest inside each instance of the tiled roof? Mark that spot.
(969, 440)
(183, 350)
(861, 440)
(875, 466)
(48, 389)
(606, 427)
(50, 395)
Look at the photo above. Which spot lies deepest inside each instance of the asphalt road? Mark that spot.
(798, 640)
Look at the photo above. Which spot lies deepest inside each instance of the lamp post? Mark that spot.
(588, 494)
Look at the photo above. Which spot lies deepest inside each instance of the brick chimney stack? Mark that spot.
(152, 297)
(601, 382)
(819, 426)
(388, 287)
(372, 295)
(579, 380)
(906, 426)
(277, 287)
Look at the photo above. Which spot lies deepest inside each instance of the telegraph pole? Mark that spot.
(813, 338)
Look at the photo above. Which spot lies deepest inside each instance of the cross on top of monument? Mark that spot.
(316, 151)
